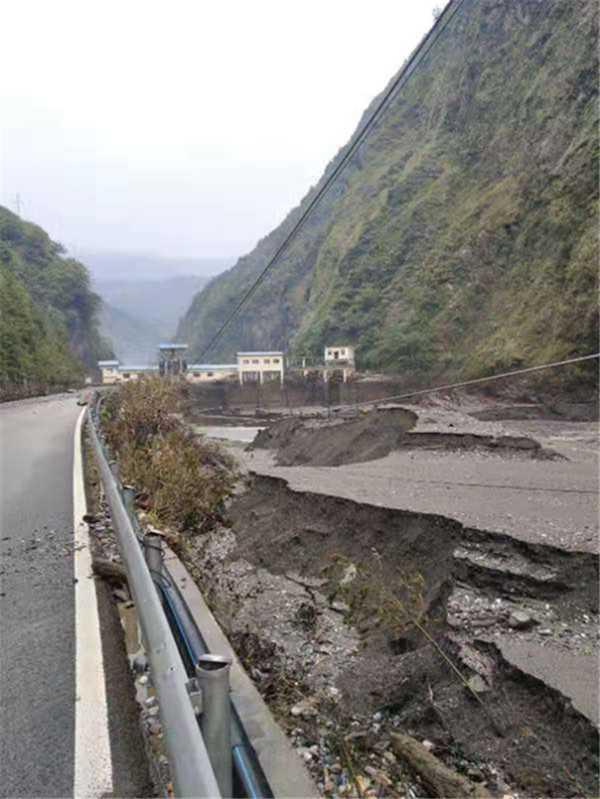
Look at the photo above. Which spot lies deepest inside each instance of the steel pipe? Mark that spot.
(190, 764)
(213, 678)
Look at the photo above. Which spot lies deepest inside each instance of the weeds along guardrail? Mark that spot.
(209, 751)
(193, 773)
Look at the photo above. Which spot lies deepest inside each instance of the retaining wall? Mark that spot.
(291, 394)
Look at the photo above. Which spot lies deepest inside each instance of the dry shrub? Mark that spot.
(142, 410)
(396, 607)
(186, 481)
(185, 477)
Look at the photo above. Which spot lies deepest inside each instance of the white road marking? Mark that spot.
(93, 763)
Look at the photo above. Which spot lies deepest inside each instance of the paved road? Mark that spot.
(574, 675)
(541, 501)
(37, 614)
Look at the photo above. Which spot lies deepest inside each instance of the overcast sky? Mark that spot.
(185, 127)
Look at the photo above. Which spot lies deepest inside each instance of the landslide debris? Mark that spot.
(359, 621)
(357, 436)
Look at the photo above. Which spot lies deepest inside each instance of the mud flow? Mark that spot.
(357, 621)
(358, 436)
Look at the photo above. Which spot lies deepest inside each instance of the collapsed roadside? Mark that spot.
(359, 622)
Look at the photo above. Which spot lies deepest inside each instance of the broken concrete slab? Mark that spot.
(576, 676)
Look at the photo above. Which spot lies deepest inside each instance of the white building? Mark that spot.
(127, 373)
(113, 372)
(209, 372)
(260, 366)
(339, 359)
(109, 371)
(339, 355)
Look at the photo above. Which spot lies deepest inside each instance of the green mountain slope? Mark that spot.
(48, 314)
(462, 239)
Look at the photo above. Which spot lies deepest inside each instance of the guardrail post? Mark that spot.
(129, 499)
(213, 678)
(153, 552)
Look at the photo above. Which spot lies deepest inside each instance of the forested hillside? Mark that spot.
(462, 239)
(48, 313)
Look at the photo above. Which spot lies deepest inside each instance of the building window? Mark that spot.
(126, 375)
(246, 361)
(266, 360)
(209, 374)
(255, 360)
(197, 374)
(342, 352)
(275, 360)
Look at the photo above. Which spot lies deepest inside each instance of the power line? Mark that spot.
(482, 379)
(442, 22)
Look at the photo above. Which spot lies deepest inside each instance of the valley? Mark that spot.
(144, 296)
(321, 520)
(461, 238)
(138, 314)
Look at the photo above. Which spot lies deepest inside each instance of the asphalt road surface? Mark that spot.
(540, 501)
(38, 646)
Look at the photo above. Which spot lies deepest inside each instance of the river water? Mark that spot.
(240, 435)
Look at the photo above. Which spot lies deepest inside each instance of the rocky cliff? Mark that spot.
(462, 239)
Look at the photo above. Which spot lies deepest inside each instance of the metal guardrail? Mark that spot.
(191, 769)
(249, 778)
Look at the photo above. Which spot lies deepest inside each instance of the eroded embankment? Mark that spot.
(357, 620)
(364, 436)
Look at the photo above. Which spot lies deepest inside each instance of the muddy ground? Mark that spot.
(358, 619)
(371, 610)
(356, 436)
(539, 500)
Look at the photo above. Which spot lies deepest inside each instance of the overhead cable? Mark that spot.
(442, 22)
(477, 380)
